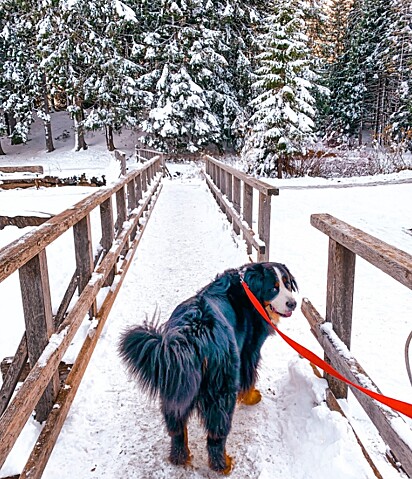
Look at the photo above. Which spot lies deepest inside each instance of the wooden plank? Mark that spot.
(248, 209)
(15, 417)
(38, 316)
(44, 445)
(22, 169)
(84, 255)
(391, 260)
(139, 190)
(386, 420)
(339, 301)
(254, 183)
(22, 221)
(11, 378)
(107, 225)
(14, 255)
(131, 202)
(247, 232)
(7, 363)
(333, 405)
(236, 200)
(264, 224)
(121, 209)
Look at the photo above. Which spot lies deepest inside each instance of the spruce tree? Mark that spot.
(399, 62)
(282, 122)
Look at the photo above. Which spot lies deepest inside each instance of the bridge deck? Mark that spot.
(113, 430)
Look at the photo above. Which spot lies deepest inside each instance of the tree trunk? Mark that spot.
(1, 149)
(11, 125)
(280, 166)
(46, 121)
(80, 142)
(109, 137)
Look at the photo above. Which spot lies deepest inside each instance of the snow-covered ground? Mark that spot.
(113, 429)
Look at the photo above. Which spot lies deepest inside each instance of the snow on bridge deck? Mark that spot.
(113, 429)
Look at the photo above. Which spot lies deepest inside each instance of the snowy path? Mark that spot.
(113, 430)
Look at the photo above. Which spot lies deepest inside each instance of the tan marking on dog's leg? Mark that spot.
(250, 397)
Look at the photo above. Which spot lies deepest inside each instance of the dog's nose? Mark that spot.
(291, 304)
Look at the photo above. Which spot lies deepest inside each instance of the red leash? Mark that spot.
(400, 406)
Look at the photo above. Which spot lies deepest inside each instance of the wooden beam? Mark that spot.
(15, 416)
(254, 183)
(386, 420)
(393, 261)
(38, 316)
(11, 378)
(22, 169)
(247, 232)
(17, 253)
(44, 445)
(339, 301)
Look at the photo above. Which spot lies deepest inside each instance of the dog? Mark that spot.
(205, 357)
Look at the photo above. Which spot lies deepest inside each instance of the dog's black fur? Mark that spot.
(205, 355)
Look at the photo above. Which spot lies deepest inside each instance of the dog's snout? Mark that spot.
(291, 304)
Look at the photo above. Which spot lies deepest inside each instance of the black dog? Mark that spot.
(206, 355)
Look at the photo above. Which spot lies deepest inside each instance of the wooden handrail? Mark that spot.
(143, 184)
(345, 243)
(233, 191)
(393, 261)
(20, 251)
(259, 185)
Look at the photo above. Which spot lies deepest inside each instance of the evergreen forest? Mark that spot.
(265, 80)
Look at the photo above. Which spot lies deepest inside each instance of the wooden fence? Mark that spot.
(47, 337)
(233, 191)
(345, 243)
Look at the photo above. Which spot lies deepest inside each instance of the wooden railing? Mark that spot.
(233, 191)
(47, 337)
(143, 154)
(345, 243)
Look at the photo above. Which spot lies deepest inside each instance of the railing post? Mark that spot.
(84, 255)
(107, 225)
(248, 209)
(264, 224)
(131, 202)
(121, 213)
(35, 291)
(339, 301)
(236, 200)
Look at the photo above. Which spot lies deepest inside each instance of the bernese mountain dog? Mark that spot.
(206, 356)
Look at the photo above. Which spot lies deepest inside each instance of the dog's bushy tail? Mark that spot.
(164, 363)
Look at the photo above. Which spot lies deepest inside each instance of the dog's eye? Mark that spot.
(277, 285)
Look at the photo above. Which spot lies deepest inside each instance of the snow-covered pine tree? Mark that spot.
(399, 62)
(357, 78)
(282, 123)
(207, 45)
(337, 12)
(186, 63)
(18, 69)
(84, 57)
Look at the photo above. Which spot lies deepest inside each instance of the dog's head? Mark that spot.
(273, 285)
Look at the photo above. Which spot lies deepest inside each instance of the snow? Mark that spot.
(114, 429)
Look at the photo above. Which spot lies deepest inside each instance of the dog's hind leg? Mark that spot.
(217, 413)
(177, 428)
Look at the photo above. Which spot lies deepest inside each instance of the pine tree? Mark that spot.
(282, 122)
(17, 69)
(83, 56)
(359, 76)
(399, 62)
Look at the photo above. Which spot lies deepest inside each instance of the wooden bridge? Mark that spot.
(49, 386)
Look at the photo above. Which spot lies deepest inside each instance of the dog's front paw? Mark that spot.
(250, 397)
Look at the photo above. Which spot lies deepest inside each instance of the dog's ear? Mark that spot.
(254, 274)
(292, 280)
